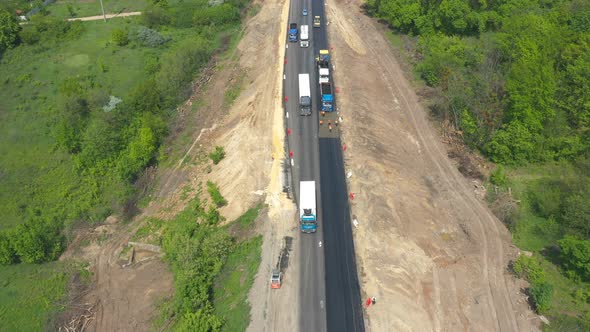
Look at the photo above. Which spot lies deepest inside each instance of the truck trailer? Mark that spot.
(307, 207)
(304, 94)
(304, 36)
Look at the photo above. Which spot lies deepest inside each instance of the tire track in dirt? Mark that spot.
(499, 302)
(447, 170)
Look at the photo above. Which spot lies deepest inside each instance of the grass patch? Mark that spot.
(150, 232)
(230, 294)
(30, 295)
(246, 219)
(216, 196)
(234, 90)
(72, 8)
(570, 307)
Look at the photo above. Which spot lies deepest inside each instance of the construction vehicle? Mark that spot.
(307, 207)
(327, 97)
(293, 32)
(304, 94)
(276, 279)
(323, 61)
(304, 36)
(316, 21)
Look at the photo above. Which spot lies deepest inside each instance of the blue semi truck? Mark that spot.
(307, 208)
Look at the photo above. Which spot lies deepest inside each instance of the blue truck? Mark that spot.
(327, 97)
(293, 32)
(307, 208)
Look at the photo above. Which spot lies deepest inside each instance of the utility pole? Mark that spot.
(103, 14)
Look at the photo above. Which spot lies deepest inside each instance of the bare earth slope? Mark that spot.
(430, 251)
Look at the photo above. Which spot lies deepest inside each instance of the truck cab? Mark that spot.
(316, 21)
(293, 32)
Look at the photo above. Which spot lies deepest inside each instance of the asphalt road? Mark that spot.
(329, 290)
(303, 142)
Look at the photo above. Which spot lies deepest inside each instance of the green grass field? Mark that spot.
(28, 294)
(536, 234)
(92, 7)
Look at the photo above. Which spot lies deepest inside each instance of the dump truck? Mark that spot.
(304, 94)
(307, 207)
(327, 97)
(323, 61)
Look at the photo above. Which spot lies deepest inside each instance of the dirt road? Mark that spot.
(430, 251)
(100, 17)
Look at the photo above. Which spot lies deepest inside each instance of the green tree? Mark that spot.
(576, 213)
(513, 144)
(575, 255)
(38, 240)
(9, 30)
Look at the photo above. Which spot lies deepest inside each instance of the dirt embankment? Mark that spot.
(430, 251)
(124, 297)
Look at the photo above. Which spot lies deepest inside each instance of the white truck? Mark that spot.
(307, 208)
(304, 94)
(323, 61)
(304, 36)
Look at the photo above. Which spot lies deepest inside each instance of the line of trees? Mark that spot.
(512, 75)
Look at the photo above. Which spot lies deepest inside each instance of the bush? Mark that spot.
(7, 253)
(155, 16)
(529, 268)
(216, 15)
(145, 36)
(575, 256)
(30, 36)
(120, 37)
(541, 293)
(217, 155)
(498, 177)
(215, 194)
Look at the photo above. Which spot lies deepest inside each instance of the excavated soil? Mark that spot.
(429, 249)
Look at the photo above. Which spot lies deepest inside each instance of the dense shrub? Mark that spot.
(540, 289)
(216, 15)
(120, 37)
(196, 253)
(217, 155)
(575, 256)
(145, 36)
(9, 30)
